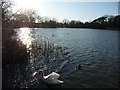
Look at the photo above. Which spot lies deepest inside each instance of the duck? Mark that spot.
(53, 35)
(51, 78)
(77, 67)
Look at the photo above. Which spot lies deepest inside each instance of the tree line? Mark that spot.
(30, 18)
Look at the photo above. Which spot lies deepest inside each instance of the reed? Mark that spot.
(46, 55)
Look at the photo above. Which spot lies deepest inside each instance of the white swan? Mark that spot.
(51, 78)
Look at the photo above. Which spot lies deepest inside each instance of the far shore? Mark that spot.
(71, 27)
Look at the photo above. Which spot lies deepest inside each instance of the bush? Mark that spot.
(13, 51)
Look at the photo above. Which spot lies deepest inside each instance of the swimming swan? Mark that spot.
(51, 78)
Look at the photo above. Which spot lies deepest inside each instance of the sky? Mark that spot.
(71, 10)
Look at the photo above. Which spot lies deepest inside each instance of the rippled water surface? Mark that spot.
(94, 49)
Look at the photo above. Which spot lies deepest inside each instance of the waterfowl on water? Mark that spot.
(78, 66)
(51, 78)
(53, 35)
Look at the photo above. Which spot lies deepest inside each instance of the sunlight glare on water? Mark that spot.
(25, 36)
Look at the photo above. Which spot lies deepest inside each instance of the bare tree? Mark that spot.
(31, 15)
(65, 21)
(6, 10)
(39, 19)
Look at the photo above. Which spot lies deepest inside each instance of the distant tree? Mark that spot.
(100, 20)
(72, 22)
(79, 22)
(114, 22)
(45, 19)
(39, 19)
(21, 18)
(65, 21)
(54, 20)
(53, 23)
(86, 22)
(31, 15)
(110, 19)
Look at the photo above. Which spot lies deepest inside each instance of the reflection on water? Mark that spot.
(61, 50)
(25, 35)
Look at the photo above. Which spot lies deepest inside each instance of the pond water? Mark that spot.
(94, 49)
